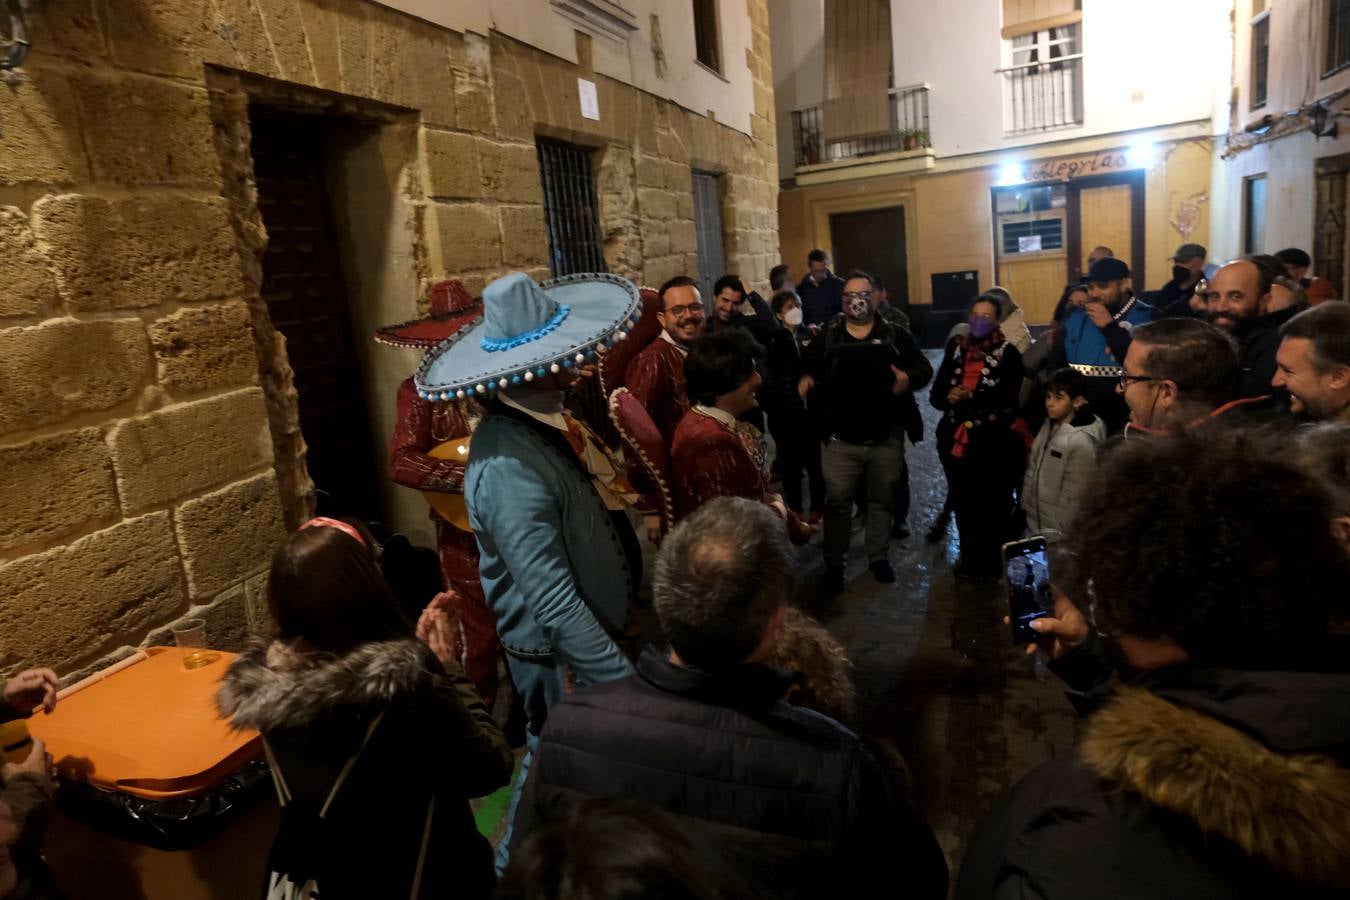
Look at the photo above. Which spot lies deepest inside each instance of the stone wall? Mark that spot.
(150, 454)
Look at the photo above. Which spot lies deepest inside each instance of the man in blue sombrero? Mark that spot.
(560, 561)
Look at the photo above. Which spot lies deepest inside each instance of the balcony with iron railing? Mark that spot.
(908, 131)
(1043, 96)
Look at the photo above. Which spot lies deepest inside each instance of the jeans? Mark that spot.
(540, 685)
(846, 465)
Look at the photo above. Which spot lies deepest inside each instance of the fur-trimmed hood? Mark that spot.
(276, 686)
(1290, 809)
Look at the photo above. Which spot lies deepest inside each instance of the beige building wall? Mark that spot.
(150, 453)
(949, 212)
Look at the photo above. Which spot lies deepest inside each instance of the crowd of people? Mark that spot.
(687, 731)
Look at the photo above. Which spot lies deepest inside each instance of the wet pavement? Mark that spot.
(936, 671)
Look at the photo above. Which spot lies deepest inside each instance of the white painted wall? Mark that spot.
(538, 23)
(1147, 63)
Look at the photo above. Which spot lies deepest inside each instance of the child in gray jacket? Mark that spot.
(1064, 456)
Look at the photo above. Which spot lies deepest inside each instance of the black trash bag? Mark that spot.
(180, 823)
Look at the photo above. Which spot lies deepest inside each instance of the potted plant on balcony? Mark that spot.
(913, 138)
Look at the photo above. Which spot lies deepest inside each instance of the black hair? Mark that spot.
(1327, 326)
(1067, 381)
(325, 588)
(729, 281)
(619, 849)
(1293, 256)
(677, 281)
(778, 276)
(1256, 592)
(817, 255)
(1200, 358)
(991, 299)
(718, 363)
(866, 276)
(782, 298)
(1062, 307)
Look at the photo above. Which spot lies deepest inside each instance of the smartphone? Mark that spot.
(1026, 567)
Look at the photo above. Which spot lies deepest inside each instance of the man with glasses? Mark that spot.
(656, 376)
(858, 373)
(1180, 373)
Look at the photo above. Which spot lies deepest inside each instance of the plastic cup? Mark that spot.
(190, 633)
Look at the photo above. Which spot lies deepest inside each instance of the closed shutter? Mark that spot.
(857, 68)
(1030, 16)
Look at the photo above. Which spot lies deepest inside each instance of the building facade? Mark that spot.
(999, 141)
(1282, 152)
(206, 206)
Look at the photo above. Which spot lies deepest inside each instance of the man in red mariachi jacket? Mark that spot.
(656, 376)
(423, 426)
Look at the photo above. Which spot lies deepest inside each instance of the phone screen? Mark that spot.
(1027, 567)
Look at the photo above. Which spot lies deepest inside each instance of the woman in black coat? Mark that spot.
(375, 746)
(795, 437)
(977, 388)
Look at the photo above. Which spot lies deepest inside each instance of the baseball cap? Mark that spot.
(1189, 251)
(1108, 269)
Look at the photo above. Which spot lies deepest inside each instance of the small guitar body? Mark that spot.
(450, 507)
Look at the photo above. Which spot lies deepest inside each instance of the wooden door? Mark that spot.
(873, 240)
(1036, 285)
(307, 302)
(708, 231)
(1107, 211)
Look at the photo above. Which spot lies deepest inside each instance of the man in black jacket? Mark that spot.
(705, 733)
(821, 290)
(860, 371)
(1216, 764)
(1238, 300)
(1174, 298)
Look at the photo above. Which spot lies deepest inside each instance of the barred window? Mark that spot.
(1260, 58)
(571, 210)
(1338, 36)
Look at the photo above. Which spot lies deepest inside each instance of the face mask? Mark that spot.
(1180, 273)
(981, 327)
(857, 310)
(793, 317)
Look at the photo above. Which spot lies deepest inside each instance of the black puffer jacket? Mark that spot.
(726, 750)
(1189, 783)
(401, 817)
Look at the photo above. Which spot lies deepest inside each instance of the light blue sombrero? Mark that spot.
(528, 331)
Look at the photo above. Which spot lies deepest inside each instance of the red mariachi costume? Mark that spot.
(713, 458)
(656, 379)
(423, 425)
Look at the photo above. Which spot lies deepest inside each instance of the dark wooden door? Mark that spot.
(708, 230)
(873, 240)
(307, 302)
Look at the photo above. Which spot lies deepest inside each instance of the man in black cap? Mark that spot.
(1175, 298)
(1096, 336)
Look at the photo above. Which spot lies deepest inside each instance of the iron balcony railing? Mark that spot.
(1041, 96)
(908, 131)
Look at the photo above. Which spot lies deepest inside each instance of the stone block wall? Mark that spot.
(150, 452)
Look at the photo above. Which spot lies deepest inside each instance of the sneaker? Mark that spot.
(833, 580)
(882, 571)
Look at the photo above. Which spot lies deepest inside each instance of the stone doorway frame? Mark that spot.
(231, 94)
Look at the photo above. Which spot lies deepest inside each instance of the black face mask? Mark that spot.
(1180, 273)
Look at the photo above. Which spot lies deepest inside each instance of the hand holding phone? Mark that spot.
(1026, 567)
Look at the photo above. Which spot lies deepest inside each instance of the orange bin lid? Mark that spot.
(150, 729)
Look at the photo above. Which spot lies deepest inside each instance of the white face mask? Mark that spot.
(793, 317)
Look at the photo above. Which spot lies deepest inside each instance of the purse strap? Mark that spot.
(284, 794)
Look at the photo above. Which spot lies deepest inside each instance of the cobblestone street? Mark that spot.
(936, 670)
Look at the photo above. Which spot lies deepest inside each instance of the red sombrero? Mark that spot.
(452, 309)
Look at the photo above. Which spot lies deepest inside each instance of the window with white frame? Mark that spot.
(1043, 77)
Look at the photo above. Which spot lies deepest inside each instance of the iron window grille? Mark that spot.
(571, 209)
(1338, 36)
(1044, 81)
(705, 34)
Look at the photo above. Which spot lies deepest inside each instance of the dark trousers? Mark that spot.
(797, 452)
(982, 498)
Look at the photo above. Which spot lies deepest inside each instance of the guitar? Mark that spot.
(450, 507)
